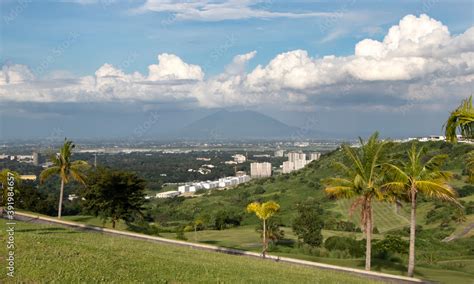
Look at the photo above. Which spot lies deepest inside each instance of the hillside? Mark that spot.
(436, 260)
(48, 253)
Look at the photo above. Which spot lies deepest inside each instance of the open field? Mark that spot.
(49, 253)
(385, 216)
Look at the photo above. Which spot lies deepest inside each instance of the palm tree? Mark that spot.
(66, 169)
(416, 177)
(264, 211)
(361, 179)
(462, 119)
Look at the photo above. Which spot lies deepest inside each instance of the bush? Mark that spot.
(384, 249)
(259, 190)
(354, 247)
(180, 233)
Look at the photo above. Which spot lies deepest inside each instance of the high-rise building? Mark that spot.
(259, 170)
(314, 156)
(35, 158)
(279, 153)
(295, 156)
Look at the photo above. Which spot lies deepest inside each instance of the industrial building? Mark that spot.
(221, 183)
(168, 194)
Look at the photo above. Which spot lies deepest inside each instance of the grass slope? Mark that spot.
(46, 253)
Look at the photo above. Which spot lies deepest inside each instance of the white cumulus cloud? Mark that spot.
(417, 62)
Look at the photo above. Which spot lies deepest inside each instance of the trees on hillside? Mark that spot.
(360, 180)
(309, 223)
(66, 169)
(113, 194)
(264, 211)
(414, 178)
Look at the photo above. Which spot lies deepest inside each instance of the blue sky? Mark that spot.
(57, 41)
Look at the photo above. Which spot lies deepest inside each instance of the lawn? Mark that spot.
(48, 253)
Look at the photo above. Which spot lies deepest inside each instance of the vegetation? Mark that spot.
(264, 211)
(114, 194)
(57, 254)
(361, 179)
(66, 169)
(309, 223)
(415, 178)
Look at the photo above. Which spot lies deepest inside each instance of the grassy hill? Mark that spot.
(47, 253)
(446, 262)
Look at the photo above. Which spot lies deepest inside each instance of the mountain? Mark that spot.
(240, 125)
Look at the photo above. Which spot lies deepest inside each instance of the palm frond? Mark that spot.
(45, 174)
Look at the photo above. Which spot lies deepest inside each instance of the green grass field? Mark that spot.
(385, 216)
(47, 253)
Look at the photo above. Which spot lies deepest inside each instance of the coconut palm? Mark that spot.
(416, 177)
(360, 181)
(462, 119)
(66, 169)
(264, 211)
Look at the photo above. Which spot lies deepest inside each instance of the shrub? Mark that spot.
(259, 190)
(384, 249)
(354, 247)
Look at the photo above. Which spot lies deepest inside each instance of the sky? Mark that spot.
(104, 69)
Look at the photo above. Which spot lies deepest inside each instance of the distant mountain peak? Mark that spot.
(238, 124)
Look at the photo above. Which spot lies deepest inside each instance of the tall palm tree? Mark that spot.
(462, 119)
(66, 169)
(361, 179)
(416, 177)
(264, 211)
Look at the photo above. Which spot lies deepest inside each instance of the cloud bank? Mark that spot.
(418, 63)
(203, 10)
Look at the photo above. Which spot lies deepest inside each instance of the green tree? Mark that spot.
(114, 194)
(65, 169)
(309, 223)
(415, 178)
(360, 180)
(462, 120)
(264, 211)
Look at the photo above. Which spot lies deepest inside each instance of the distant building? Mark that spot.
(28, 177)
(239, 159)
(35, 159)
(240, 173)
(295, 156)
(296, 161)
(259, 170)
(314, 156)
(168, 194)
(279, 153)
